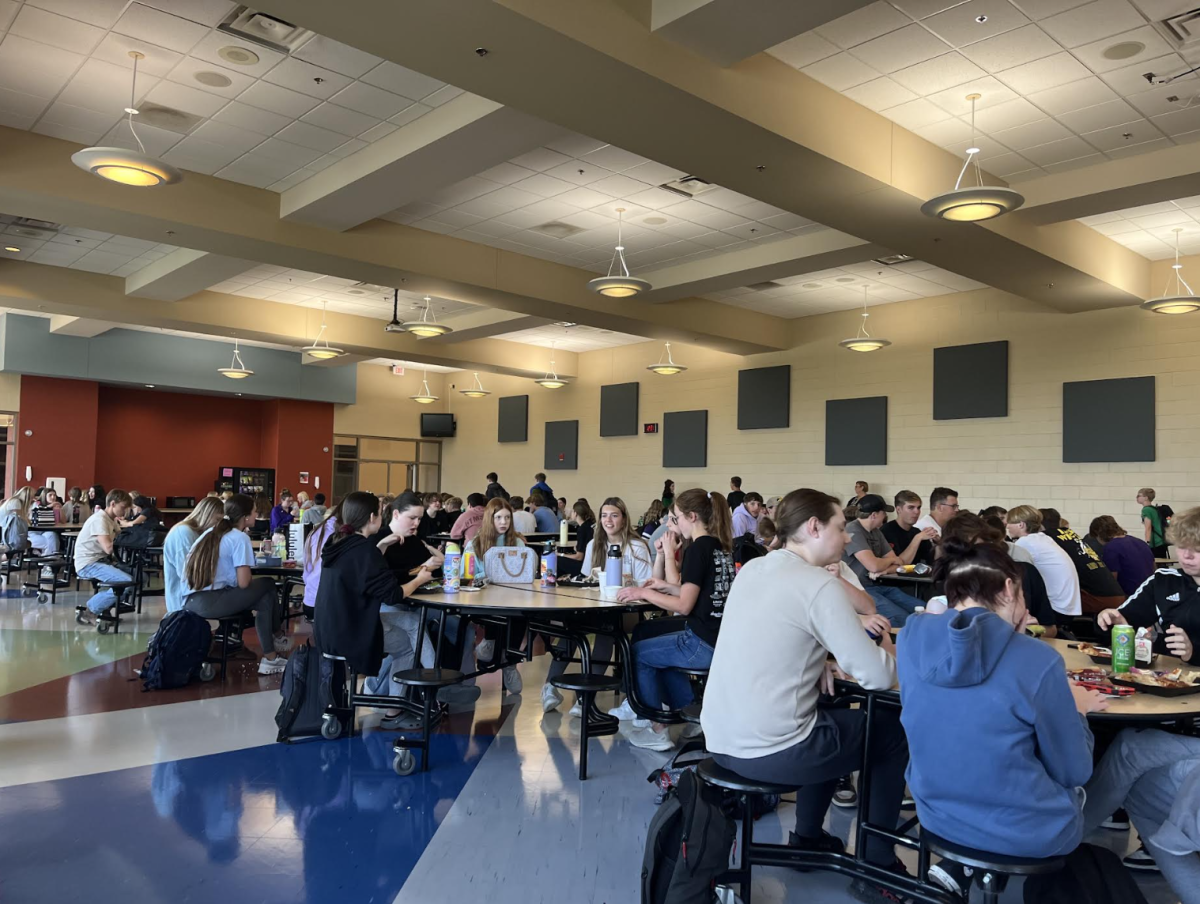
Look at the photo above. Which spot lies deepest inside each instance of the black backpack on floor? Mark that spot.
(1092, 875)
(687, 845)
(307, 689)
(176, 651)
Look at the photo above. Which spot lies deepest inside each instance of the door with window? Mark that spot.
(382, 465)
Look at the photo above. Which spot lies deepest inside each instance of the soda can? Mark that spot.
(1122, 648)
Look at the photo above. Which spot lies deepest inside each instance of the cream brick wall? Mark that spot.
(1002, 461)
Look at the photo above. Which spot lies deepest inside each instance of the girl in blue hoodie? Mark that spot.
(998, 737)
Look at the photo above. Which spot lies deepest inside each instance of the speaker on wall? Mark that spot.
(619, 409)
(764, 397)
(513, 417)
(685, 439)
(970, 381)
(856, 431)
(562, 445)
(1109, 420)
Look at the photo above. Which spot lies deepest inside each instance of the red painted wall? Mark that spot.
(303, 441)
(62, 415)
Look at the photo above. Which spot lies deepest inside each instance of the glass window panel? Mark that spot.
(345, 447)
(344, 478)
(373, 476)
(400, 478)
(432, 454)
(428, 478)
(388, 449)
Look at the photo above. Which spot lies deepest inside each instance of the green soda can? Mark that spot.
(1122, 648)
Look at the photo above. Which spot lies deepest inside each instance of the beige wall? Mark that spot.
(10, 392)
(1001, 461)
(382, 406)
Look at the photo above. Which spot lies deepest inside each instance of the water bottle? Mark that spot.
(75, 514)
(612, 567)
(450, 577)
(549, 566)
(267, 547)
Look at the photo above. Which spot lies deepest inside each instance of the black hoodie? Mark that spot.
(355, 582)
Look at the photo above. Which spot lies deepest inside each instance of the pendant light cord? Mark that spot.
(971, 153)
(1178, 268)
(619, 253)
(132, 108)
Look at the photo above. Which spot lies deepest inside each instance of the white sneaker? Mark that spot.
(551, 698)
(282, 644)
(624, 712)
(512, 679)
(271, 666)
(484, 650)
(641, 723)
(649, 739)
(691, 730)
(576, 711)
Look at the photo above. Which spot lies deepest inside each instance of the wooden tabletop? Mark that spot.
(907, 578)
(1163, 563)
(526, 598)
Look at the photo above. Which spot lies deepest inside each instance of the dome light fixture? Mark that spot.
(476, 390)
(316, 349)
(864, 341)
(427, 327)
(123, 166)
(666, 368)
(551, 380)
(973, 203)
(1184, 301)
(424, 397)
(619, 283)
(236, 369)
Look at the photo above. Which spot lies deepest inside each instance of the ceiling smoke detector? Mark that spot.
(261, 28)
(688, 186)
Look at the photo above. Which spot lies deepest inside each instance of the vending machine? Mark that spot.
(250, 481)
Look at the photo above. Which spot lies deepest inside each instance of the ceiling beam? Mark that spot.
(64, 325)
(486, 323)
(461, 138)
(729, 31)
(181, 273)
(341, 361)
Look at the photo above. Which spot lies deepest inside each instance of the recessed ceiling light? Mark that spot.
(239, 56)
(213, 79)
(1123, 50)
(12, 248)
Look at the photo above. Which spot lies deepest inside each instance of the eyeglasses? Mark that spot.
(955, 506)
(674, 519)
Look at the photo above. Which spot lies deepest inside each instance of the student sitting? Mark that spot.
(651, 520)
(220, 584)
(706, 576)
(262, 512)
(540, 486)
(467, 524)
(636, 569)
(1169, 600)
(96, 498)
(73, 510)
(785, 615)
(746, 515)
(911, 543)
(14, 521)
(282, 515)
(314, 514)
(943, 505)
(869, 555)
(1055, 566)
(544, 517)
(979, 693)
(45, 542)
(94, 548)
(314, 543)
(496, 531)
(429, 521)
(140, 530)
(180, 539)
(1129, 558)
(584, 519)
(1098, 589)
(523, 521)
(451, 509)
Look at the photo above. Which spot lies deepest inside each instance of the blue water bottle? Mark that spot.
(612, 567)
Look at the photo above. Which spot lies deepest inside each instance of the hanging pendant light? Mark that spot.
(864, 341)
(666, 368)
(551, 380)
(618, 283)
(236, 369)
(427, 327)
(319, 351)
(394, 325)
(424, 397)
(1179, 303)
(128, 167)
(971, 204)
(476, 390)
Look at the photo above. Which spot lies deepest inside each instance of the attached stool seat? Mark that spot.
(109, 620)
(43, 583)
(691, 713)
(719, 776)
(587, 686)
(427, 683)
(991, 870)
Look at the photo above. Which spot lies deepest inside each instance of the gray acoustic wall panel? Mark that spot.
(513, 419)
(562, 445)
(619, 409)
(1109, 420)
(970, 381)
(856, 431)
(685, 439)
(764, 397)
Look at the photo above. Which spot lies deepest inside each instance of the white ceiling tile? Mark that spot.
(585, 220)
(339, 119)
(1048, 72)
(33, 68)
(879, 94)
(863, 24)
(104, 87)
(654, 173)
(1041, 131)
(19, 104)
(1013, 48)
(1117, 228)
(462, 191)
(803, 50)
(1145, 147)
(342, 58)
(395, 78)
(506, 173)
(160, 28)
(115, 49)
(1100, 116)
(55, 30)
(96, 12)
(1008, 115)
(1179, 122)
(487, 207)
(79, 118)
(181, 97)
(8, 12)
(370, 100)
(840, 71)
(946, 133)
(270, 97)
(200, 156)
(349, 147)
(900, 49)
(306, 78)
(209, 50)
(408, 114)
(99, 262)
(916, 113)
(456, 218)
(586, 198)
(187, 70)
(252, 169)
(1092, 21)
(960, 25)
(935, 75)
(618, 186)
(1170, 218)
(227, 136)
(1006, 164)
(1153, 47)
(1163, 99)
(1086, 92)
(1058, 151)
(69, 133)
(442, 95)
(1132, 79)
(1040, 9)
(284, 152)
(541, 159)
(614, 159)
(921, 9)
(206, 12)
(991, 92)
(310, 136)
(491, 229)
(251, 118)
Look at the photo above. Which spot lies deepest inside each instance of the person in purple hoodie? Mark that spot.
(979, 693)
(1129, 558)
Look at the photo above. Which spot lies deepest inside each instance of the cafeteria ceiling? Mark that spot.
(478, 154)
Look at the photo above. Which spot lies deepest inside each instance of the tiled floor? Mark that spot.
(111, 794)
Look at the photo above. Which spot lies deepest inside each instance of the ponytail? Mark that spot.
(713, 511)
(201, 569)
(357, 510)
(974, 571)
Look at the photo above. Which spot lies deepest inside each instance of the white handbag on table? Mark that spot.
(510, 565)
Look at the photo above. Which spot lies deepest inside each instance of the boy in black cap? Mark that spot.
(869, 555)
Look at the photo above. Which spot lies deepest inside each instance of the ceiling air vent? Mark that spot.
(890, 260)
(764, 286)
(1183, 30)
(269, 31)
(688, 186)
(33, 229)
(558, 230)
(168, 118)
